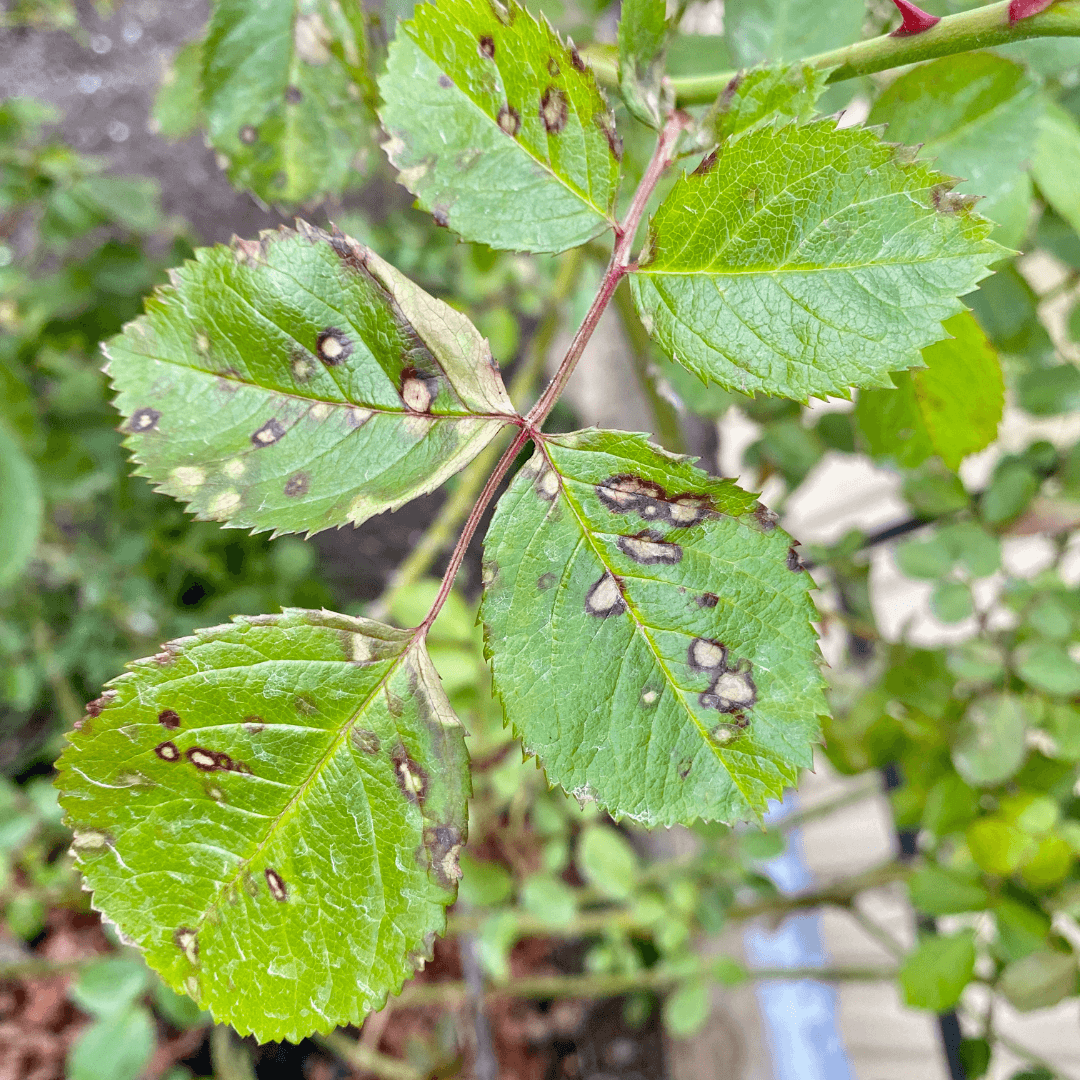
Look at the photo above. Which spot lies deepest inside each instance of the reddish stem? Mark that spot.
(915, 19)
(530, 426)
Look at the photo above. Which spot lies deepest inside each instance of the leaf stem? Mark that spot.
(980, 28)
(662, 157)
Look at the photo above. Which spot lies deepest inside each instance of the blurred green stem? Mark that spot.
(230, 1056)
(366, 1059)
(666, 420)
(442, 531)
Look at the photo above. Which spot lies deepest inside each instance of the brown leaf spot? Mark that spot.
(545, 581)
(293, 95)
(441, 216)
(724, 104)
(333, 346)
(297, 484)
(169, 718)
(547, 484)
(709, 600)
(950, 202)
(625, 494)
(554, 110)
(605, 597)
(144, 420)
(167, 751)
(269, 433)
(489, 572)
(276, 885)
(553, 67)
(410, 777)
(367, 742)
(606, 123)
(649, 548)
(418, 390)
(187, 941)
(706, 165)
(444, 843)
(704, 654)
(766, 518)
(685, 511)
(214, 761)
(509, 119)
(732, 691)
(794, 563)
(253, 725)
(94, 707)
(248, 134)
(446, 82)
(684, 768)
(305, 704)
(487, 47)
(575, 59)
(649, 697)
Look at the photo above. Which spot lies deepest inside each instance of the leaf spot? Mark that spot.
(188, 478)
(545, 581)
(509, 119)
(794, 563)
(253, 725)
(649, 548)
(169, 718)
(94, 707)
(410, 777)
(441, 216)
(89, 840)
(766, 518)
(276, 885)
(225, 503)
(554, 110)
(706, 655)
(248, 134)
(305, 705)
(234, 468)
(418, 391)
(649, 697)
(606, 123)
(167, 751)
(732, 691)
(214, 761)
(367, 742)
(187, 941)
(297, 484)
(333, 346)
(575, 59)
(605, 597)
(144, 420)
(444, 842)
(553, 66)
(302, 367)
(547, 485)
(709, 600)
(487, 47)
(707, 163)
(684, 768)
(293, 95)
(269, 433)
(446, 82)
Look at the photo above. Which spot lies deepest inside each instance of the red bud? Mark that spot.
(1022, 9)
(915, 19)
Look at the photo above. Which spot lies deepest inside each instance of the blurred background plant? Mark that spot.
(969, 713)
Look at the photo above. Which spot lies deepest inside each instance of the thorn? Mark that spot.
(1024, 9)
(915, 19)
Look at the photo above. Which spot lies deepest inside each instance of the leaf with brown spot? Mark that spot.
(328, 355)
(257, 823)
(670, 630)
(506, 96)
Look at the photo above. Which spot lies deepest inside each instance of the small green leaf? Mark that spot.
(961, 391)
(116, 1047)
(1048, 666)
(997, 846)
(649, 628)
(484, 884)
(787, 29)
(686, 1009)
(110, 986)
(498, 128)
(891, 425)
(642, 35)
(937, 891)
(977, 115)
(1012, 487)
(283, 86)
(1050, 391)
(991, 745)
(764, 95)
(299, 382)
(21, 508)
(803, 261)
(971, 545)
(1039, 980)
(549, 899)
(177, 110)
(272, 811)
(935, 973)
(951, 601)
(607, 861)
(975, 1058)
(1056, 166)
(924, 559)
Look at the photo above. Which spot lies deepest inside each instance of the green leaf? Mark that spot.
(972, 545)
(935, 973)
(997, 846)
(1048, 666)
(283, 87)
(649, 629)
(961, 391)
(642, 35)
(1040, 980)
(891, 424)
(300, 382)
(686, 1009)
(951, 601)
(788, 29)
(20, 508)
(924, 559)
(767, 95)
(1056, 166)
(498, 129)
(937, 891)
(116, 1047)
(607, 861)
(177, 110)
(110, 986)
(977, 115)
(990, 747)
(1050, 391)
(272, 811)
(802, 261)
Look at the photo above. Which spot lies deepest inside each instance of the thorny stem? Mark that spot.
(981, 28)
(662, 157)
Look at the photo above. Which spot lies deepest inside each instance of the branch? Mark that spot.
(981, 28)
(364, 1058)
